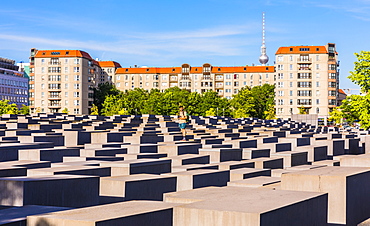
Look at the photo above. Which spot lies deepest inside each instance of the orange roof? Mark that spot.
(301, 49)
(149, 70)
(177, 70)
(62, 53)
(109, 64)
(341, 91)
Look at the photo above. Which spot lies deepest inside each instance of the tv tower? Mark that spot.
(263, 58)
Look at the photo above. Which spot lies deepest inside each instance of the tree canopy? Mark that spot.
(356, 108)
(249, 102)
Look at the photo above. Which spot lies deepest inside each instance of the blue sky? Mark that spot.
(173, 32)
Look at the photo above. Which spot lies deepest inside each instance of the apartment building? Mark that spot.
(306, 77)
(227, 81)
(13, 83)
(109, 69)
(63, 80)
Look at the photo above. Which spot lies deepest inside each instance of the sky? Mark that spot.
(172, 32)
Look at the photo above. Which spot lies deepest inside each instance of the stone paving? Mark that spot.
(58, 169)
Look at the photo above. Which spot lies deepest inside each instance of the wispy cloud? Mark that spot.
(218, 41)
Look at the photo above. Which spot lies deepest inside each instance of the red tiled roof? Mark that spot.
(177, 70)
(109, 64)
(62, 53)
(298, 49)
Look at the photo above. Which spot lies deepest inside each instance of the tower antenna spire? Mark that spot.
(263, 58)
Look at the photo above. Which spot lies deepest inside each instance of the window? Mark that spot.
(317, 57)
(332, 67)
(317, 66)
(291, 93)
(280, 76)
(76, 111)
(42, 94)
(290, 66)
(304, 84)
(291, 58)
(66, 61)
(317, 75)
(317, 84)
(42, 61)
(228, 76)
(280, 84)
(333, 102)
(267, 75)
(280, 111)
(304, 49)
(228, 83)
(66, 102)
(280, 67)
(236, 83)
(332, 84)
(317, 101)
(304, 101)
(290, 84)
(76, 102)
(332, 75)
(76, 86)
(42, 86)
(317, 110)
(77, 61)
(280, 102)
(304, 93)
(304, 75)
(76, 94)
(291, 101)
(291, 75)
(280, 58)
(66, 94)
(42, 70)
(126, 83)
(54, 69)
(66, 85)
(280, 93)
(317, 92)
(227, 90)
(77, 78)
(76, 69)
(304, 67)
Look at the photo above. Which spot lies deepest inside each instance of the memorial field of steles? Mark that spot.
(58, 169)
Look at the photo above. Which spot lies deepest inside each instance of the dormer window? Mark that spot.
(126, 69)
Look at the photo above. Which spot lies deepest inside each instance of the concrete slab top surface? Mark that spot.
(333, 171)
(44, 177)
(259, 180)
(138, 177)
(198, 172)
(239, 199)
(247, 170)
(111, 211)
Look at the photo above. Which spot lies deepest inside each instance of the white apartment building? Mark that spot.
(63, 80)
(306, 77)
(227, 81)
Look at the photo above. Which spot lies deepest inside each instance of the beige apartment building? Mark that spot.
(63, 80)
(304, 76)
(226, 81)
(308, 77)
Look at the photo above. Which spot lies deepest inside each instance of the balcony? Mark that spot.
(173, 79)
(55, 97)
(184, 78)
(207, 78)
(219, 85)
(304, 61)
(54, 106)
(219, 78)
(304, 68)
(54, 63)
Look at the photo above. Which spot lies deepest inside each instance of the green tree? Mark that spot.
(25, 110)
(302, 110)
(7, 108)
(357, 107)
(256, 102)
(336, 116)
(94, 110)
(102, 91)
(240, 113)
(65, 111)
(211, 112)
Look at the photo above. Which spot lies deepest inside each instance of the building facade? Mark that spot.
(13, 83)
(307, 77)
(62, 80)
(226, 81)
